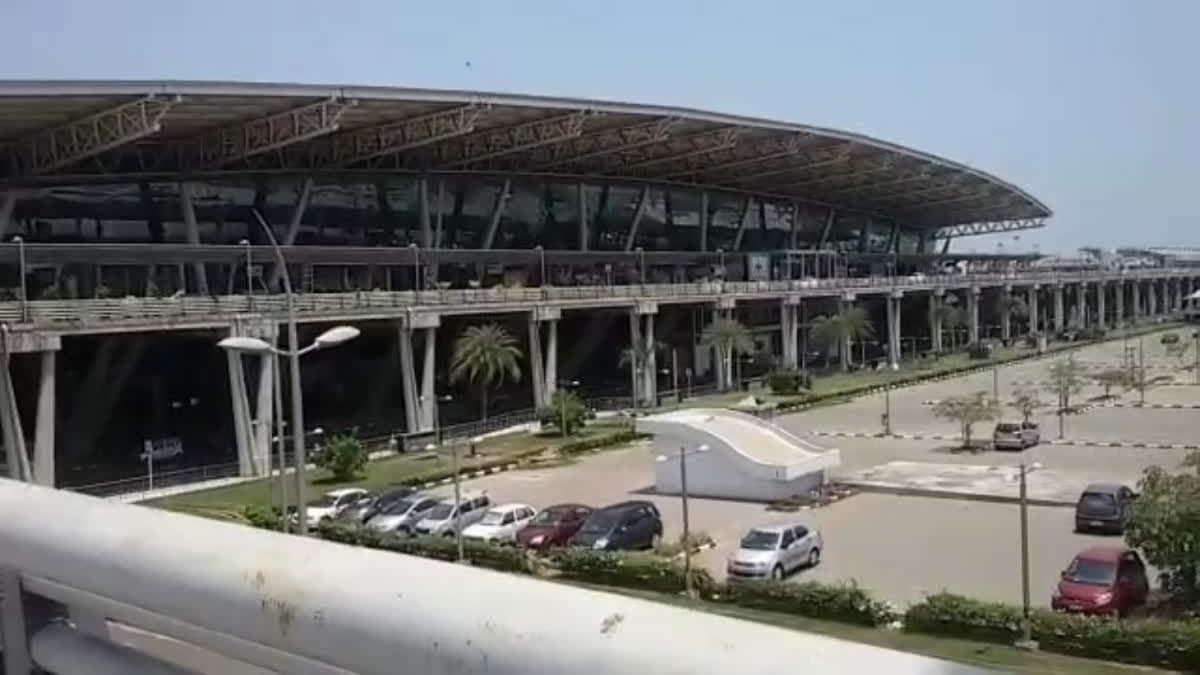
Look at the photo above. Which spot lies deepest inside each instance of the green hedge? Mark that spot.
(480, 554)
(1150, 642)
(644, 571)
(595, 443)
(846, 603)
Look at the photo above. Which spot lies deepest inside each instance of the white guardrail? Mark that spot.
(218, 309)
(303, 606)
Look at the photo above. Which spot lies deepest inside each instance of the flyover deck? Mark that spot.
(199, 312)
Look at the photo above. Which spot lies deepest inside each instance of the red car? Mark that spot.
(553, 526)
(1102, 580)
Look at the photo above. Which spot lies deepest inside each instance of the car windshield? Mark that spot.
(441, 512)
(599, 523)
(759, 540)
(400, 506)
(1092, 572)
(549, 517)
(1008, 428)
(1097, 501)
(493, 517)
(324, 502)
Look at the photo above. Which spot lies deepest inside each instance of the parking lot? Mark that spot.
(902, 547)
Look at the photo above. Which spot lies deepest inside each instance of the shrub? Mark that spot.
(847, 603)
(630, 570)
(343, 456)
(478, 553)
(1169, 338)
(266, 517)
(589, 444)
(979, 350)
(788, 381)
(564, 405)
(695, 540)
(1152, 642)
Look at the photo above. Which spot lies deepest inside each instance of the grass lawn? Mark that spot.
(981, 654)
(382, 472)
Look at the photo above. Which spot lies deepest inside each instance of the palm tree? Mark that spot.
(840, 329)
(635, 358)
(729, 337)
(485, 356)
(1011, 306)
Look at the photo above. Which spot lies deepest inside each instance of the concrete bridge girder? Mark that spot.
(40, 468)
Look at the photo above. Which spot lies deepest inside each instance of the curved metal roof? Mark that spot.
(52, 132)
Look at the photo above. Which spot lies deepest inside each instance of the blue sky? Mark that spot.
(1089, 104)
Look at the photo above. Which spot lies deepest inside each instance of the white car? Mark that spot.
(501, 523)
(444, 519)
(331, 503)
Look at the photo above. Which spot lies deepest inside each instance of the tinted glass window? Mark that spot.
(1091, 572)
(1097, 501)
(788, 538)
(801, 532)
(1008, 428)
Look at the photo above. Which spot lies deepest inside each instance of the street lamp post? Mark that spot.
(1026, 641)
(542, 280)
(641, 265)
(887, 410)
(683, 496)
(20, 242)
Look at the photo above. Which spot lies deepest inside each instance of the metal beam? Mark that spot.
(953, 181)
(492, 143)
(741, 231)
(925, 173)
(983, 192)
(603, 142)
(676, 148)
(219, 147)
(765, 151)
(885, 164)
(638, 214)
(821, 158)
(825, 231)
(971, 229)
(361, 145)
(497, 211)
(69, 143)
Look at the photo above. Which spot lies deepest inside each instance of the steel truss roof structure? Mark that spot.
(58, 132)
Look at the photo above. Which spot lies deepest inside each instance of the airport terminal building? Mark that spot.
(142, 221)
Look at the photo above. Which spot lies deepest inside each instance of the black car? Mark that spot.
(365, 509)
(1104, 507)
(624, 526)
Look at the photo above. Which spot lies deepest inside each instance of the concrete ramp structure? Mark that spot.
(748, 458)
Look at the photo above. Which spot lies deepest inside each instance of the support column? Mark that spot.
(1006, 316)
(1119, 304)
(1082, 299)
(1177, 295)
(15, 636)
(43, 436)
(419, 397)
(582, 204)
(846, 304)
(264, 413)
(1135, 295)
(1059, 309)
(718, 359)
(1102, 305)
(1152, 298)
(704, 218)
(935, 319)
(293, 230)
(543, 353)
(241, 413)
(1035, 311)
(973, 314)
(650, 371)
(894, 300)
(193, 234)
(790, 329)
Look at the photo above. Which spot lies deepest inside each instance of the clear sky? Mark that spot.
(1091, 105)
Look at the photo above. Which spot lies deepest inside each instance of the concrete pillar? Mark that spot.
(846, 305)
(1082, 299)
(43, 437)
(551, 358)
(264, 414)
(1177, 294)
(1135, 296)
(407, 381)
(543, 353)
(14, 636)
(1101, 305)
(1151, 298)
(973, 314)
(935, 320)
(650, 372)
(894, 300)
(1059, 309)
(1119, 304)
(790, 330)
(193, 233)
(428, 400)
(1006, 316)
(583, 217)
(241, 413)
(1035, 310)
(718, 359)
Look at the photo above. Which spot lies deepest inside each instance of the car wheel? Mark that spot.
(449, 535)
(655, 539)
(777, 573)
(814, 557)
(404, 531)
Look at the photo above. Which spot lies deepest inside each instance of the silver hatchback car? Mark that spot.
(774, 551)
(1016, 435)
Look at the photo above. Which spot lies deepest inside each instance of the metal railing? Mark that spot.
(303, 606)
(218, 310)
(164, 479)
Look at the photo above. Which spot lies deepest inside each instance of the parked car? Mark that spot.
(1102, 580)
(330, 504)
(774, 551)
(371, 505)
(402, 515)
(1104, 507)
(445, 519)
(621, 527)
(553, 526)
(1016, 435)
(501, 523)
